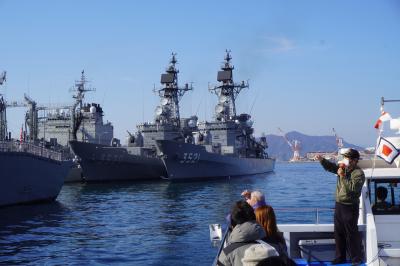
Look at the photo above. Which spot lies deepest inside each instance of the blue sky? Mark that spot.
(311, 65)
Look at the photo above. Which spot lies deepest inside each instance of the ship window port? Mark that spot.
(385, 196)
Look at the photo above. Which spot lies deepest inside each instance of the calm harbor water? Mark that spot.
(150, 223)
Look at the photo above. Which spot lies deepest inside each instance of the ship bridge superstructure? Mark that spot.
(167, 122)
(230, 133)
(77, 121)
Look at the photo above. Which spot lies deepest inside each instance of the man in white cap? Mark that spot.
(350, 179)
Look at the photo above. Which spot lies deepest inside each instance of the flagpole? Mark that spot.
(377, 140)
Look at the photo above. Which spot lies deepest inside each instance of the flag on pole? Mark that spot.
(384, 117)
(386, 150)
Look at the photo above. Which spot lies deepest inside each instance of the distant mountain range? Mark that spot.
(279, 148)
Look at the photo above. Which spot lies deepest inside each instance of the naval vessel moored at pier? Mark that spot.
(224, 147)
(138, 160)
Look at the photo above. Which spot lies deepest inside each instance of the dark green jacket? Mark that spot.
(348, 188)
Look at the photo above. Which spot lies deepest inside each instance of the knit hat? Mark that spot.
(258, 252)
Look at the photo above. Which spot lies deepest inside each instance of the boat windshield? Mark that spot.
(385, 196)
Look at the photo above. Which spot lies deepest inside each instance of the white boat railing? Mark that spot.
(371, 239)
(25, 147)
(316, 211)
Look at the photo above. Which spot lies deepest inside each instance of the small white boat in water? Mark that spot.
(314, 244)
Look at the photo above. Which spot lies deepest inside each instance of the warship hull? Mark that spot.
(189, 161)
(28, 178)
(106, 163)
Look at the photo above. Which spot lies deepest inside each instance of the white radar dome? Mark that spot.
(219, 108)
(159, 110)
(92, 110)
(164, 101)
(223, 99)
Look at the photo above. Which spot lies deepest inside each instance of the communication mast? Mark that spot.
(3, 107)
(76, 114)
(227, 91)
(294, 145)
(170, 95)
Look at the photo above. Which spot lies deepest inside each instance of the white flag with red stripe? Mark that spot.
(384, 117)
(386, 150)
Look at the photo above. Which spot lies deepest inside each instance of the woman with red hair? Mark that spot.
(265, 216)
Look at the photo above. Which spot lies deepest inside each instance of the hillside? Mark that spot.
(277, 146)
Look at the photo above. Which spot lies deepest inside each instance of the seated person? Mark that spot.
(265, 216)
(381, 204)
(244, 245)
(254, 198)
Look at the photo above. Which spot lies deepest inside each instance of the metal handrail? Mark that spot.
(303, 210)
(24, 147)
(316, 210)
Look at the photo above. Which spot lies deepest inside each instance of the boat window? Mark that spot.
(385, 196)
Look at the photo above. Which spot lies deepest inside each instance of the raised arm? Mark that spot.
(327, 165)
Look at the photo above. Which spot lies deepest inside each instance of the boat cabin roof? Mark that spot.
(382, 173)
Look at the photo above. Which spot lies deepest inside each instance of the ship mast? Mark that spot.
(170, 94)
(76, 114)
(227, 91)
(3, 107)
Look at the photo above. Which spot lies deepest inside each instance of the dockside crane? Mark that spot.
(339, 140)
(294, 145)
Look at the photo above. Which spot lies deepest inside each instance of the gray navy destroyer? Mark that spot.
(29, 172)
(78, 121)
(224, 147)
(138, 160)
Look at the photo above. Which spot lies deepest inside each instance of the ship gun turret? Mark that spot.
(135, 140)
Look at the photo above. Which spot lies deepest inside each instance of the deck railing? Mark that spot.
(15, 146)
(316, 212)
